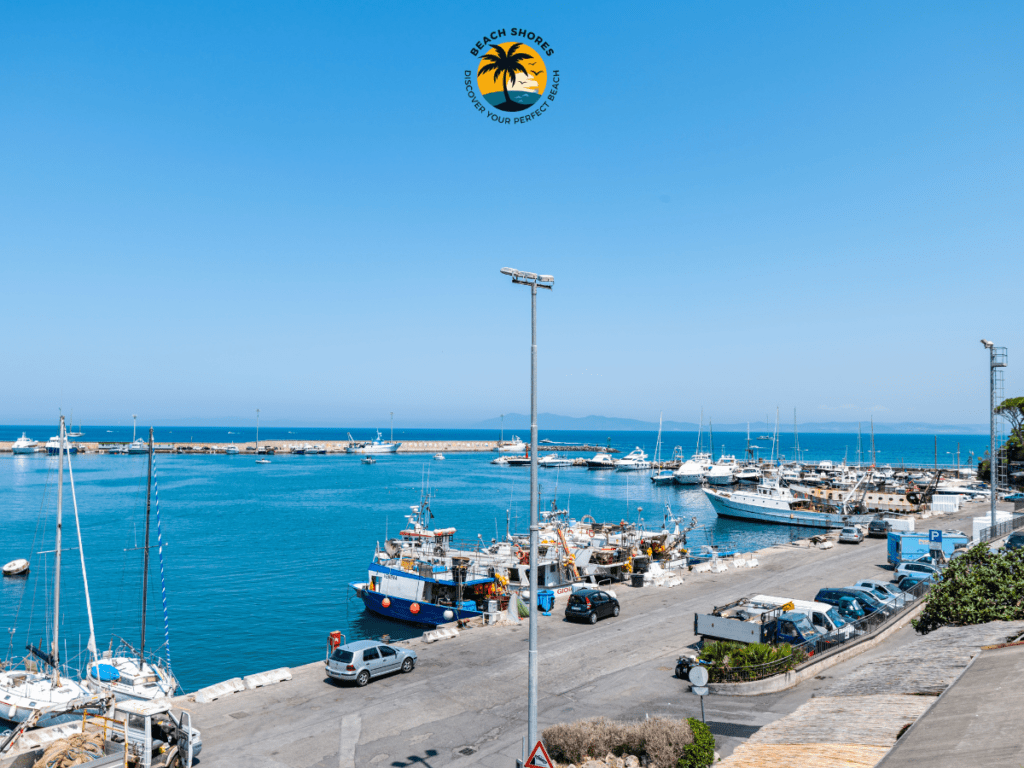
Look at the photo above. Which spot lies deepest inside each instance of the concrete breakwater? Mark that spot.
(292, 447)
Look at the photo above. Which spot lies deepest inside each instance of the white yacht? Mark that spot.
(25, 444)
(231, 450)
(601, 461)
(722, 470)
(692, 472)
(500, 460)
(138, 446)
(554, 460)
(747, 474)
(54, 443)
(127, 675)
(438, 457)
(515, 445)
(632, 461)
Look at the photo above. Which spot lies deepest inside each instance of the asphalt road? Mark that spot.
(465, 703)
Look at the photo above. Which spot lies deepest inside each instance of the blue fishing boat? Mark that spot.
(421, 578)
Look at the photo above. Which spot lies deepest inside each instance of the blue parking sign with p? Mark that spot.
(935, 536)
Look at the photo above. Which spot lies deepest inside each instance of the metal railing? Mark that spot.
(813, 650)
(1001, 529)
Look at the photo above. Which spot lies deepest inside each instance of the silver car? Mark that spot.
(851, 535)
(362, 660)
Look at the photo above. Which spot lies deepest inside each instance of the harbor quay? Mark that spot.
(464, 704)
(332, 447)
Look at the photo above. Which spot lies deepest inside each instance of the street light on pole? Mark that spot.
(534, 281)
(997, 360)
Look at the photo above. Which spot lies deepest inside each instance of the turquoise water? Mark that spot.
(258, 557)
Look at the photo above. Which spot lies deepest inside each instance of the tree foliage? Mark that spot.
(728, 661)
(977, 587)
(701, 753)
(1012, 409)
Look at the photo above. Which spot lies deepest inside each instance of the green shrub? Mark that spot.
(728, 660)
(701, 753)
(977, 587)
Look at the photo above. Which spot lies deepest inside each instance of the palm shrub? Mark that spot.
(727, 660)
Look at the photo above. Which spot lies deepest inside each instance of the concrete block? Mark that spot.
(702, 568)
(271, 677)
(825, 545)
(219, 690)
(441, 633)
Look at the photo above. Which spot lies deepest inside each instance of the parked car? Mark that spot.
(886, 589)
(1014, 541)
(863, 596)
(917, 568)
(590, 605)
(362, 660)
(879, 529)
(850, 609)
(889, 600)
(909, 581)
(851, 535)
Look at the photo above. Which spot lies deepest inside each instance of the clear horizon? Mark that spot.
(207, 209)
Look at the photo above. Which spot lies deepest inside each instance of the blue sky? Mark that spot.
(208, 208)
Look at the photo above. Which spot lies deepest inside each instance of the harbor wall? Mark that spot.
(286, 446)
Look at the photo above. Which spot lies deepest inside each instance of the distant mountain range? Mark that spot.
(517, 421)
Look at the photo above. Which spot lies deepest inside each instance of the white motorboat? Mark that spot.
(550, 460)
(692, 471)
(632, 461)
(117, 450)
(747, 474)
(262, 461)
(438, 457)
(721, 472)
(25, 693)
(500, 460)
(231, 450)
(16, 568)
(601, 461)
(515, 445)
(369, 460)
(53, 446)
(377, 445)
(24, 445)
(137, 447)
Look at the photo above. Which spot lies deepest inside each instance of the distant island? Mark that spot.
(518, 421)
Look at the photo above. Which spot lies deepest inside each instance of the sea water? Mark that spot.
(258, 558)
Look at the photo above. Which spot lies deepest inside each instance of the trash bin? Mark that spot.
(545, 599)
(637, 580)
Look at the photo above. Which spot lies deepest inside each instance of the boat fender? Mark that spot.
(386, 602)
(414, 608)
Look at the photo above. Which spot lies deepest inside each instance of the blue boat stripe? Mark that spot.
(417, 577)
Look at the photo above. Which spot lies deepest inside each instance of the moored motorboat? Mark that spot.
(601, 461)
(721, 471)
(17, 567)
(369, 460)
(515, 445)
(53, 446)
(551, 460)
(632, 461)
(663, 477)
(24, 444)
(377, 445)
(231, 450)
(772, 502)
(438, 457)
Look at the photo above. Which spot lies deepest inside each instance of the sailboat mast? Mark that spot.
(145, 546)
(872, 442)
(392, 426)
(711, 438)
(796, 437)
(56, 567)
(257, 431)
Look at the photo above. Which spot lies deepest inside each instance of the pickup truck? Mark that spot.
(826, 618)
(752, 621)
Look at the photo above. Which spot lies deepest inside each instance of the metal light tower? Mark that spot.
(997, 360)
(534, 282)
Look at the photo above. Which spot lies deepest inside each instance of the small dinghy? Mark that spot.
(369, 460)
(16, 568)
(438, 457)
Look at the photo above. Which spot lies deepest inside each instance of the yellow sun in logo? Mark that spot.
(511, 76)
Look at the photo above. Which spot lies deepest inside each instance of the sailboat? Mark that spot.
(662, 476)
(259, 461)
(27, 693)
(125, 672)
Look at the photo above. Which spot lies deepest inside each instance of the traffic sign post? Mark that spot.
(934, 540)
(539, 757)
(699, 685)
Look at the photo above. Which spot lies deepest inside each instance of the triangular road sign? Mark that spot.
(539, 758)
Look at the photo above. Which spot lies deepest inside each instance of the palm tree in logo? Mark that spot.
(505, 65)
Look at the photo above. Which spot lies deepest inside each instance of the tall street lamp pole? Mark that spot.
(534, 282)
(997, 359)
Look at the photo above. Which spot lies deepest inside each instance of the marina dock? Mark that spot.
(332, 447)
(465, 703)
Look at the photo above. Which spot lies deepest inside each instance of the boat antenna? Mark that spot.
(145, 548)
(392, 426)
